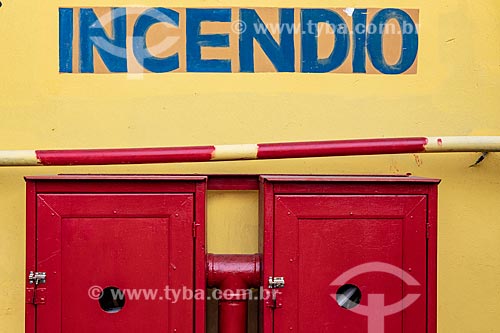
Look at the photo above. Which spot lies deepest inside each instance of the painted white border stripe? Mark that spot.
(18, 158)
(463, 144)
(235, 152)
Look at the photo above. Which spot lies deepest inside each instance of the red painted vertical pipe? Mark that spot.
(233, 275)
(233, 306)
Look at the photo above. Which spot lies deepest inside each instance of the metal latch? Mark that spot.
(37, 277)
(276, 282)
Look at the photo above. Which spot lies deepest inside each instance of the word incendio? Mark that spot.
(238, 40)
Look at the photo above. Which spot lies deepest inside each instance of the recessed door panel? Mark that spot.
(109, 259)
(343, 256)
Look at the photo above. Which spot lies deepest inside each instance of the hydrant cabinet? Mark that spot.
(348, 254)
(92, 237)
(127, 254)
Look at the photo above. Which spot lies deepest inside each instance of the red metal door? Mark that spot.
(324, 244)
(116, 262)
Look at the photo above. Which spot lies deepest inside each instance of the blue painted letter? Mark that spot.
(141, 52)
(409, 47)
(310, 20)
(195, 40)
(112, 51)
(359, 52)
(282, 56)
(65, 40)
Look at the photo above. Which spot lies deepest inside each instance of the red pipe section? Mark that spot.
(125, 156)
(341, 148)
(233, 275)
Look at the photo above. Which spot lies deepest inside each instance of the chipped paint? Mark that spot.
(349, 11)
(418, 160)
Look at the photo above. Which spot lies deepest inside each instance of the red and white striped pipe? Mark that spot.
(250, 151)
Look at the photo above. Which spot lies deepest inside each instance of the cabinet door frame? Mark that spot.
(273, 185)
(118, 184)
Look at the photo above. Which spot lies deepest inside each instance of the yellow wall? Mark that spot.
(454, 93)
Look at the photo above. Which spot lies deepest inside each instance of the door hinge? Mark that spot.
(195, 228)
(36, 296)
